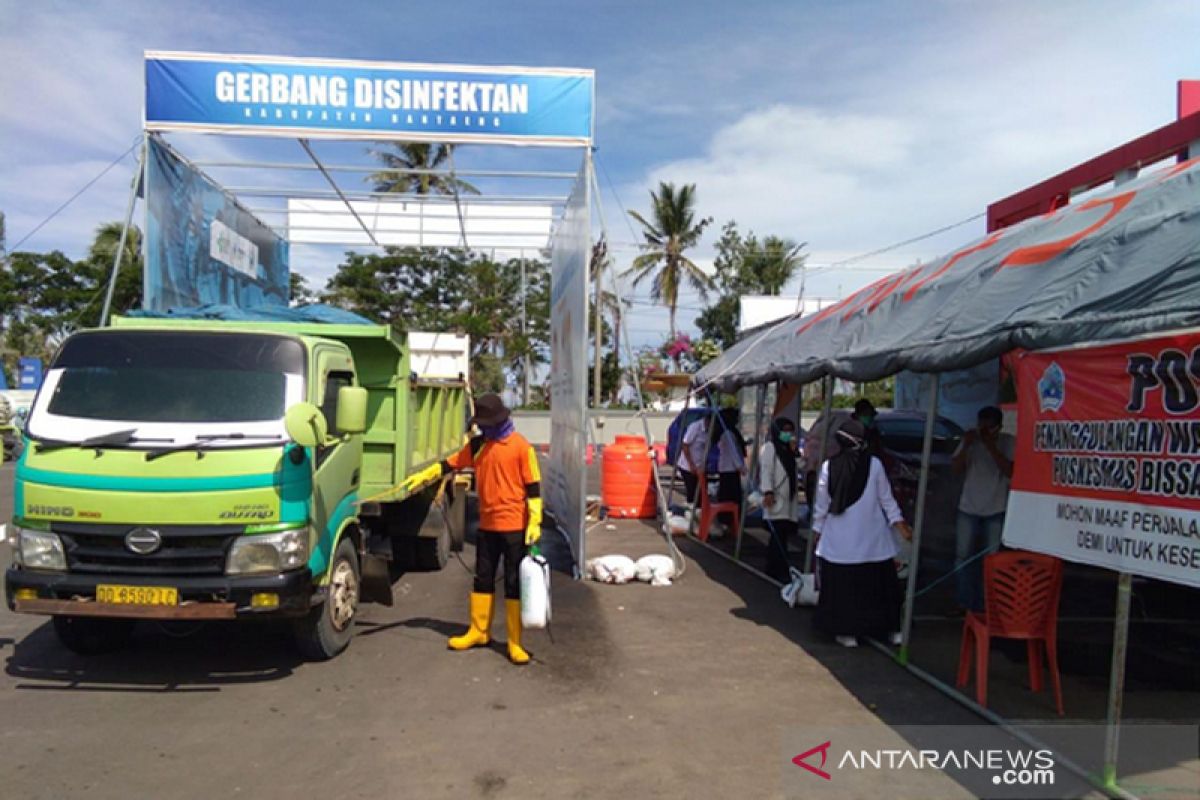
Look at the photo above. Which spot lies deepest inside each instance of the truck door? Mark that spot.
(338, 461)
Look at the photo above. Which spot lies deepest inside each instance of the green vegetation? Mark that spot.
(671, 230)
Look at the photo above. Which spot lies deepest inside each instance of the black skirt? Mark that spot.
(858, 599)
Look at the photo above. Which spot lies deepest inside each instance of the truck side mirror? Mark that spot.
(352, 409)
(305, 425)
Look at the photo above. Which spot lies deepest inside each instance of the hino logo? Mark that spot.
(143, 541)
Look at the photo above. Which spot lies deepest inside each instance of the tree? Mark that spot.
(44, 297)
(719, 320)
(416, 168)
(769, 265)
(745, 265)
(103, 251)
(299, 292)
(453, 290)
(670, 232)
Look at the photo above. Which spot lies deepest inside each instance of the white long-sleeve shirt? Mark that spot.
(695, 448)
(772, 477)
(862, 533)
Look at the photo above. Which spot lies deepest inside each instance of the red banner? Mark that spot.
(1108, 456)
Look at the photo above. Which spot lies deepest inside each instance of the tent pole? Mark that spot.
(116, 270)
(702, 485)
(1116, 687)
(910, 594)
(821, 443)
(760, 404)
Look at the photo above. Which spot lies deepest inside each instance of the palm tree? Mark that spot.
(102, 254)
(415, 168)
(674, 229)
(104, 245)
(773, 262)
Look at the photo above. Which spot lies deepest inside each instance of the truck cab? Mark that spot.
(220, 470)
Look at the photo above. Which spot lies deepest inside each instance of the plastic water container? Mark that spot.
(627, 479)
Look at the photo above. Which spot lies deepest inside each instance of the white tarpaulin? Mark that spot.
(566, 475)
(409, 223)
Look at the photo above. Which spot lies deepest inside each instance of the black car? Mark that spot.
(902, 435)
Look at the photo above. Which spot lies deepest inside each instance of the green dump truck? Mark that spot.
(200, 469)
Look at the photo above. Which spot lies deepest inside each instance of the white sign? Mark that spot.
(759, 309)
(232, 249)
(411, 223)
(1161, 543)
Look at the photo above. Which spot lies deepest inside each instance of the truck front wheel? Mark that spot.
(90, 636)
(327, 629)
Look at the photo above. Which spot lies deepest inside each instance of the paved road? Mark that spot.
(680, 692)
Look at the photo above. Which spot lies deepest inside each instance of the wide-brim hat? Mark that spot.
(489, 411)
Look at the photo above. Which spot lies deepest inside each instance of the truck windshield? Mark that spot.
(174, 377)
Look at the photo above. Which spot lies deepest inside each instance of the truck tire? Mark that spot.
(432, 552)
(327, 629)
(89, 636)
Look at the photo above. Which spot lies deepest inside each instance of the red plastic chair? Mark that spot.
(709, 509)
(1020, 592)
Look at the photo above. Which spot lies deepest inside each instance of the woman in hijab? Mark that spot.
(860, 595)
(777, 482)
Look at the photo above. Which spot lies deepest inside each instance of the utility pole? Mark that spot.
(617, 341)
(524, 336)
(599, 256)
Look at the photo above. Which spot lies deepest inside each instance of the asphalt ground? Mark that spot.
(703, 689)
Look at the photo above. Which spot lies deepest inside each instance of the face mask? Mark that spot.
(866, 419)
(786, 437)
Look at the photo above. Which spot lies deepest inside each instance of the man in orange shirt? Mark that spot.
(508, 481)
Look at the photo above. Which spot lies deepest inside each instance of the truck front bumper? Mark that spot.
(199, 598)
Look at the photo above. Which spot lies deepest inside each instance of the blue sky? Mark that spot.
(848, 125)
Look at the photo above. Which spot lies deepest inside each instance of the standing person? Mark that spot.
(731, 462)
(691, 454)
(860, 595)
(864, 412)
(777, 482)
(508, 481)
(985, 458)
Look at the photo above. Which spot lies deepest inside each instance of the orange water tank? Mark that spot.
(627, 479)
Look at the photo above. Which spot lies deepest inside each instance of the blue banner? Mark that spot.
(202, 247)
(371, 100)
(29, 373)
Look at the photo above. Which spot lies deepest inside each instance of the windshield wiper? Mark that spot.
(111, 439)
(202, 442)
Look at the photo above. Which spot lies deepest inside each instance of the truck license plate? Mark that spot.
(137, 595)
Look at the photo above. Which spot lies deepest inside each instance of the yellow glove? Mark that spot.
(417, 480)
(533, 530)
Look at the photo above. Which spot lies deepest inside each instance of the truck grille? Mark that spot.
(186, 550)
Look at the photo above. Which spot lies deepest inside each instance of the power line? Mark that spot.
(75, 196)
(613, 188)
(891, 247)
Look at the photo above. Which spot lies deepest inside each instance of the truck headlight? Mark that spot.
(264, 553)
(40, 550)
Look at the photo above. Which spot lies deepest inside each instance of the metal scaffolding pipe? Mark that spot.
(477, 173)
(271, 191)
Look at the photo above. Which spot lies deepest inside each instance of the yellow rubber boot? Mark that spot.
(479, 633)
(516, 653)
